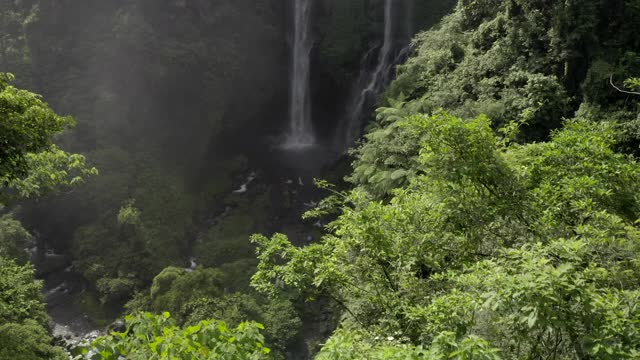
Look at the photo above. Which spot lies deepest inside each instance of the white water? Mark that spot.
(300, 126)
(371, 84)
(192, 264)
(244, 187)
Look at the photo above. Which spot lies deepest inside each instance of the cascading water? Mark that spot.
(300, 125)
(371, 83)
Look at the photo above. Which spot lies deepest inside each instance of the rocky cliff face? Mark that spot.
(179, 72)
(204, 76)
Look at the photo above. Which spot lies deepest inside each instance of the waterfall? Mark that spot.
(370, 83)
(373, 80)
(300, 125)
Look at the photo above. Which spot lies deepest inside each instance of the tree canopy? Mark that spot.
(150, 337)
(30, 163)
(23, 319)
(493, 250)
(492, 210)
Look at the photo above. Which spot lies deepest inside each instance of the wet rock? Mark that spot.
(118, 326)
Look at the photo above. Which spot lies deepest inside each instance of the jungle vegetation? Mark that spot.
(491, 209)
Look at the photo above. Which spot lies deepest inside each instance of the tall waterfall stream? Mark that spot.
(300, 125)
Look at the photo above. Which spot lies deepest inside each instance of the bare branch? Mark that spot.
(620, 90)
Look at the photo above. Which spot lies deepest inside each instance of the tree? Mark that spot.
(23, 319)
(204, 293)
(522, 251)
(151, 337)
(13, 238)
(30, 164)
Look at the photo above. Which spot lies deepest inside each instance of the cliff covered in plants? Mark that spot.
(490, 212)
(494, 205)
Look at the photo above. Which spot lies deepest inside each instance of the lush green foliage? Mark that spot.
(345, 345)
(204, 293)
(151, 202)
(175, 287)
(27, 126)
(13, 238)
(151, 337)
(29, 341)
(23, 319)
(30, 165)
(131, 132)
(29, 162)
(144, 218)
(459, 240)
(20, 297)
(633, 83)
(532, 62)
(531, 250)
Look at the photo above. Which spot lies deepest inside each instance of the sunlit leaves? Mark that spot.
(353, 345)
(30, 164)
(491, 250)
(157, 337)
(632, 83)
(27, 126)
(50, 170)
